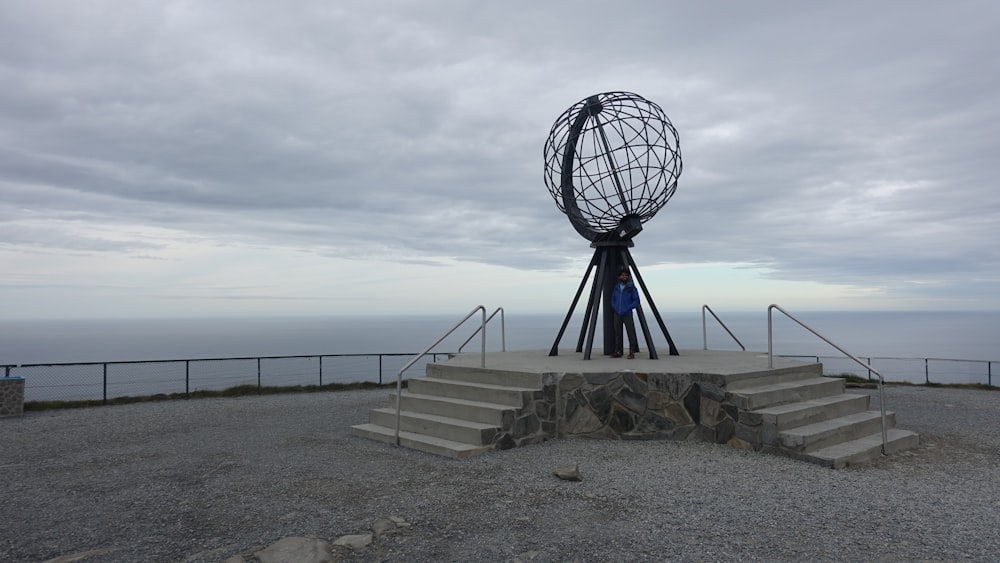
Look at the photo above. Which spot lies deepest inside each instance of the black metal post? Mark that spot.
(555, 345)
(592, 303)
(105, 384)
(598, 284)
(321, 371)
(259, 390)
(652, 306)
(646, 334)
(187, 379)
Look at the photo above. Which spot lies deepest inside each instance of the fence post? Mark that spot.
(321, 371)
(258, 377)
(869, 371)
(105, 384)
(380, 369)
(927, 372)
(989, 373)
(187, 379)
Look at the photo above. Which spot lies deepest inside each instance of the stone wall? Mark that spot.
(630, 405)
(536, 422)
(11, 396)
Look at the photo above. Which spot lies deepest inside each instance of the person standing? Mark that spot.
(624, 299)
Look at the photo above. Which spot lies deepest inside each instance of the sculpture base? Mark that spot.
(520, 398)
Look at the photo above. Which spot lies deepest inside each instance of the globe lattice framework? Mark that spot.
(612, 161)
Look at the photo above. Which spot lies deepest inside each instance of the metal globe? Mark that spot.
(612, 161)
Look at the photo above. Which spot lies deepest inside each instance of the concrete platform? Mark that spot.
(466, 406)
(721, 362)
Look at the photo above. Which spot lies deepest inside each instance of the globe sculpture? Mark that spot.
(612, 161)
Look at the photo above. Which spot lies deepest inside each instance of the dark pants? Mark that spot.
(633, 344)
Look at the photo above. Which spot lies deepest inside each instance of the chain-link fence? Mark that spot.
(104, 381)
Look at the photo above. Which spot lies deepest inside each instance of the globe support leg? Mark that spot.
(576, 299)
(646, 334)
(590, 310)
(599, 282)
(608, 259)
(652, 306)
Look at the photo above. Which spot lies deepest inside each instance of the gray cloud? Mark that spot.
(846, 143)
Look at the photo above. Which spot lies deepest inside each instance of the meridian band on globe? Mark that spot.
(612, 161)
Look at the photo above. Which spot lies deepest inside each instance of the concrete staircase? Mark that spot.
(459, 411)
(803, 415)
(454, 411)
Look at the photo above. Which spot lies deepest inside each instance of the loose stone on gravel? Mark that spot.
(300, 550)
(354, 541)
(384, 526)
(568, 472)
(72, 558)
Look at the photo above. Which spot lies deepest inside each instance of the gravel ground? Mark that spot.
(204, 480)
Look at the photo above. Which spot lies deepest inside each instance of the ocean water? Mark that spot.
(959, 335)
(928, 339)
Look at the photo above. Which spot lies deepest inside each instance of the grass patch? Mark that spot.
(236, 391)
(856, 380)
(865, 383)
(975, 386)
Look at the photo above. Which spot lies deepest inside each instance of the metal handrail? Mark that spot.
(881, 380)
(704, 329)
(503, 330)
(399, 377)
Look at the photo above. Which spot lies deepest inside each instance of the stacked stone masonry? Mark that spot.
(624, 405)
(629, 405)
(534, 423)
(11, 396)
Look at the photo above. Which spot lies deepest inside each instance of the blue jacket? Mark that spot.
(624, 298)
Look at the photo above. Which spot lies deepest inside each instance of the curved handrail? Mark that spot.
(881, 380)
(704, 329)
(503, 330)
(399, 376)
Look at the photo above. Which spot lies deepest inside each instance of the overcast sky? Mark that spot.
(316, 157)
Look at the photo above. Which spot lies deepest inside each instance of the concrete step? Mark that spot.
(864, 449)
(498, 394)
(753, 398)
(834, 431)
(431, 445)
(444, 427)
(485, 376)
(475, 411)
(782, 417)
(739, 381)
